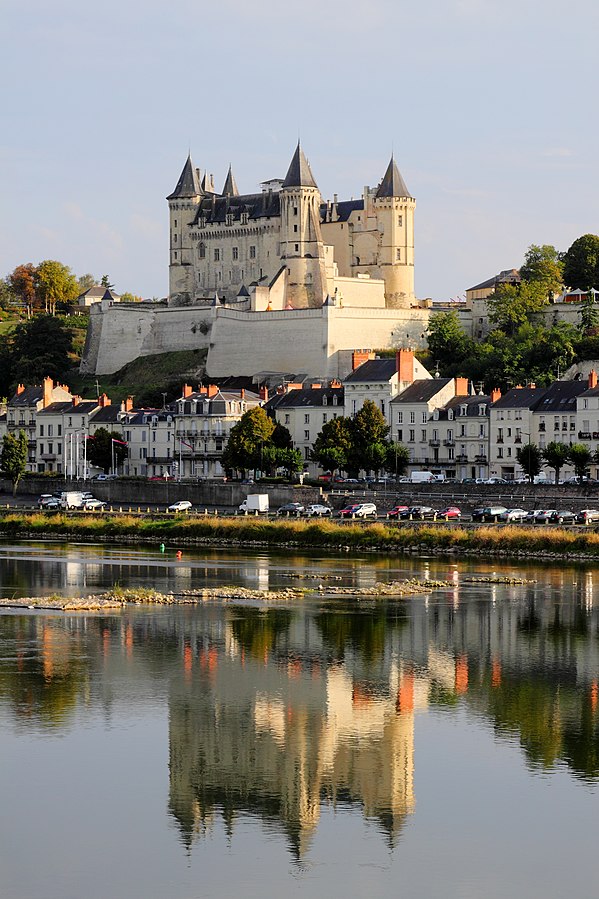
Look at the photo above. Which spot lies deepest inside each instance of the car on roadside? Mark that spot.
(348, 510)
(182, 505)
(396, 511)
(563, 516)
(419, 513)
(290, 509)
(105, 477)
(48, 501)
(587, 516)
(365, 510)
(495, 480)
(514, 515)
(318, 510)
(450, 513)
(94, 505)
(488, 513)
(544, 516)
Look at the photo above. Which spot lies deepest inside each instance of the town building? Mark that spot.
(304, 411)
(412, 422)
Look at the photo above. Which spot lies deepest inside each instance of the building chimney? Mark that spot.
(293, 386)
(187, 390)
(358, 357)
(242, 393)
(495, 394)
(405, 365)
(203, 390)
(592, 379)
(48, 388)
(335, 383)
(75, 399)
(212, 390)
(129, 404)
(103, 401)
(264, 393)
(20, 389)
(316, 386)
(461, 386)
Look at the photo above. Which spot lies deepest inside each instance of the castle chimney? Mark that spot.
(48, 388)
(187, 390)
(495, 394)
(404, 361)
(592, 379)
(461, 386)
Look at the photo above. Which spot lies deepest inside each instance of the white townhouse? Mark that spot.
(459, 436)
(380, 380)
(304, 411)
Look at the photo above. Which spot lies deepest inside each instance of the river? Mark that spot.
(444, 745)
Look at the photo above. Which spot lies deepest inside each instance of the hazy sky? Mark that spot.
(489, 105)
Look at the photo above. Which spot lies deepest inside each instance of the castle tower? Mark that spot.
(302, 249)
(394, 209)
(182, 205)
(230, 188)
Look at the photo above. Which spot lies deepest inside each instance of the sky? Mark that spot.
(489, 107)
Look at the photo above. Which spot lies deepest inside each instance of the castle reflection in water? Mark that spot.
(277, 712)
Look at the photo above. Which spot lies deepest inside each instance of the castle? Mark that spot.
(277, 281)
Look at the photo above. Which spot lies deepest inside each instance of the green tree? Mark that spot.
(7, 294)
(290, 459)
(56, 283)
(248, 440)
(332, 447)
(556, 456)
(530, 459)
(543, 265)
(580, 457)
(281, 438)
(14, 457)
(23, 284)
(40, 348)
(105, 282)
(130, 298)
(589, 317)
(104, 447)
(397, 458)
(512, 305)
(369, 431)
(448, 344)
(581, 263)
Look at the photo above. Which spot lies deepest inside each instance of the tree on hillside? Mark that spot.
(332, 447)
(530, 459)
(22, 283)
(56, 284)
(105, 448)
(543, 265)
(513, 305)
(248, 440)
(105, 282)
(556, 456)
(448, 343)
(7, 294)
(581, 263)
(588, 316)
(14, 457)
(130, 298)
(581, 457)
(39, 348)
(369, 443)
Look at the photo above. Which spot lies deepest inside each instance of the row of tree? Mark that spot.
(555, 455)
(48, 287)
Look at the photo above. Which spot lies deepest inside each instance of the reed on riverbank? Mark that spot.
(326, 534)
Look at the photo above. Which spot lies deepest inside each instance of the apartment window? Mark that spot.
(143, 453)
(50, 430)
(59, 432)
(41, 449)
(252, 252)
(59, 448)
(324, 417)
(450, 434)
(217, 255)
(335, 400)
(412, 418)
(585, 404)
(481, 432)
(509, 451)
(500, 452)
(412, 436)
(306, 435)
(143, 436)
(287, 418)
(153, 436)
(462, 430)
(423, 435)
(306, 452)
(400, 418)
(307, 419)
(41, 430)
(450, 453)
(383, 406)
(424, 417)
(354, 404)
(400, 436)
(235, 252)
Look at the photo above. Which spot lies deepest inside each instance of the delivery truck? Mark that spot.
(72, 499)
(255, 502)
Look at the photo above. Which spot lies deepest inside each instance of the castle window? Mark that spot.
(295, 210)
(217, 255)
(252, 252)
(296, 247)
(202, 251)
(175, 223)
(400, 220)
(229, 218)
(295, 229)
(398, 255)
(175, 238)
(175, 255)
(235, 252)
(244, 218)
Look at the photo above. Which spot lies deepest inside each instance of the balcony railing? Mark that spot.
(449, 442)
(434, 442)
(482, 460)
(542, 426)
(461, 457)
(584, 435)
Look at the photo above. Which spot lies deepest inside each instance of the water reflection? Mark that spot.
(278, 712)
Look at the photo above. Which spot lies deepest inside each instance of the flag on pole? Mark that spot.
(122, 442)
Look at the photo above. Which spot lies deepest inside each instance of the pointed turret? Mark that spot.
(299, 173)
(208, 184)
(393, 184)
(230, 188)
(188, 184)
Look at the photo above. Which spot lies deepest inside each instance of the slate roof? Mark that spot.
(299, 173)
(188, 184)
(471, 402)
(521, 398)
(373, 370)
(29, 397)
(421, 391)
(230, 188)
(106, 415)
(561, 396)
(307, 396)
(507, 276)
(214, 210)
(344, 209)
(392, 184)
(99, 292)
(82, 408)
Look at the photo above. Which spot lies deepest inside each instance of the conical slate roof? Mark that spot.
(230, 188)
(393, 184)
(188, 184)
(299, 173)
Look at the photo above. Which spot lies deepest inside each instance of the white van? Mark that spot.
(422, 477)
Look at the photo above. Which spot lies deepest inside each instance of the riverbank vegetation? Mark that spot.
(331, 535)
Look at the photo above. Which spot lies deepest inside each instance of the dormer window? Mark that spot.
(244, 218)
(229, 218)
(482, 409)
(325, 400)
(436, 415)
(335, 400)
(464, 409)
(450, 414)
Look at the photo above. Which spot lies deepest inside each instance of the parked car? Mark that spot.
(496, 480)
(318, 510)
(563, 516)
(419, 512)
(472, 481)
(451, 512)
(107, 477)
(531, 516)
(365, 510)
(585, 516)
(181, 506)
(94, 505)
(48, 501)
(545, 515)
(290, 509)
(348, 510)
(514, 515)
(396, 511)
(488, 513)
